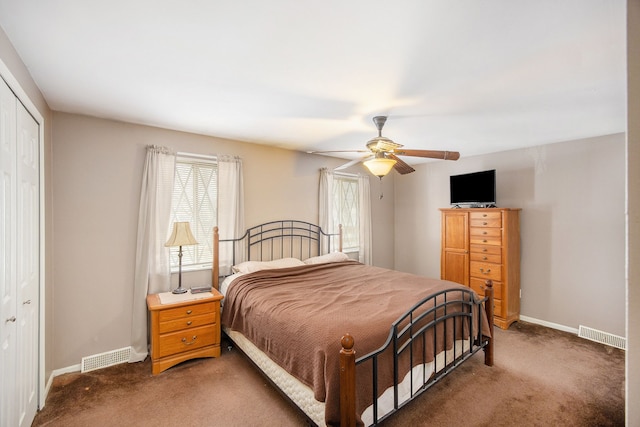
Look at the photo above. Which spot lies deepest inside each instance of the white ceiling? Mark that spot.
(462, 75)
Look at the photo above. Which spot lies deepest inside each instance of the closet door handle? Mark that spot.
(10, 319)
(27, 302)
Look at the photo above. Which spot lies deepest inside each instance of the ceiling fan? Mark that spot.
(383, 154)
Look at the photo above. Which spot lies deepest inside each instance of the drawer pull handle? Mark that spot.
(484, 241)
(484, 232)
(484, 258)
(484, 223)
(184, 340)
(484, 250)
(10, 319)
(189, 323)
(27, 302)
(485, 272)
(484, 215)
(189, 312)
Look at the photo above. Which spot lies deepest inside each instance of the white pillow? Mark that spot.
(332, 257)
(252, 266)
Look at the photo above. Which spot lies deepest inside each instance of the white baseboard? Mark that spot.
(549, 324)
(68, 369)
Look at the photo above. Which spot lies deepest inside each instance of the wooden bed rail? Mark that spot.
(348, 363)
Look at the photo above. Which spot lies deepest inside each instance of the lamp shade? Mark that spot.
(181, 235)
(380, 166)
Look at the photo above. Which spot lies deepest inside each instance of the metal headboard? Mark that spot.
(275, 240)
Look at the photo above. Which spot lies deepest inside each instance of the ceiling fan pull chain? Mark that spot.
(381, 195)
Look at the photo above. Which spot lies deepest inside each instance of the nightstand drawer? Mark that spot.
(187, 311)
(186, 340)
(187, 322)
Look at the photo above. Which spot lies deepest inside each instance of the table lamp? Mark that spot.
(181, 236)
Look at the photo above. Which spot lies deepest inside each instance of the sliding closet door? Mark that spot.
(28, 263)
(8, 290)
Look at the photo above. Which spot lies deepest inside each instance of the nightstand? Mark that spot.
(183, 327)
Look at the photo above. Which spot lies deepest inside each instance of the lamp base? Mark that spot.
(179, 291)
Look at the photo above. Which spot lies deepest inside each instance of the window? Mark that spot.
(195, 189)
(346, 210)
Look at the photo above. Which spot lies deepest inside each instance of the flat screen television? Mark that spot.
(477, 189)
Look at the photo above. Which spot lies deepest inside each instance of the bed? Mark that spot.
(349, 344)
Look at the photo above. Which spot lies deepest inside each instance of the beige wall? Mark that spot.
(97, 173)
(572, 196)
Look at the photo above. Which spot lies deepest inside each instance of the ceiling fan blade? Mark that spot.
(400, 166)
(431, 154)
(348, 165)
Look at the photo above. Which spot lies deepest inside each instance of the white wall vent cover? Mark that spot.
(602, 337)
(103, 360)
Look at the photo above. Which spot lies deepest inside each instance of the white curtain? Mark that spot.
(152, 270)
(325, 203)
(230, 208)
(364, 201)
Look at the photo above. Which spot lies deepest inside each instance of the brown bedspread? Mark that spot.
(298, 315)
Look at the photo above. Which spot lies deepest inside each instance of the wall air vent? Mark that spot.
(103, 360)
(602, 337)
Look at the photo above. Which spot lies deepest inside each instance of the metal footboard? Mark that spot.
(429, 321)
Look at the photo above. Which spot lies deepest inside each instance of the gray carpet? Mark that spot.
(541, 377)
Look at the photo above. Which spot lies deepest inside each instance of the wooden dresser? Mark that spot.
(186, 327)
(480, 244)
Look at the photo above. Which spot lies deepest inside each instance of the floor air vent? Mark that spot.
(102, 360)
(602, 337)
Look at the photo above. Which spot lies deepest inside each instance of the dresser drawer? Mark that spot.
(188, 339)
(186, 311)
(478, 285)
(486, 232)
(485, 215)
(484, 257)
(485, 240)
(486, 249)
(485, 270)
(486, 222)
(187, 322)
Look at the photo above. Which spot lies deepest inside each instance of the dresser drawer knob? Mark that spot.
(485, 272)
(184, 340)
(189, 323)
(484, 258)
(484, 241)
(189, 311)
(484, 223)
(484, 232)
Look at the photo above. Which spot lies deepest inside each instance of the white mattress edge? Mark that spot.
(303, 396)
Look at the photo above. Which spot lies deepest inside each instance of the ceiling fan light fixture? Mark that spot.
(380, 166)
